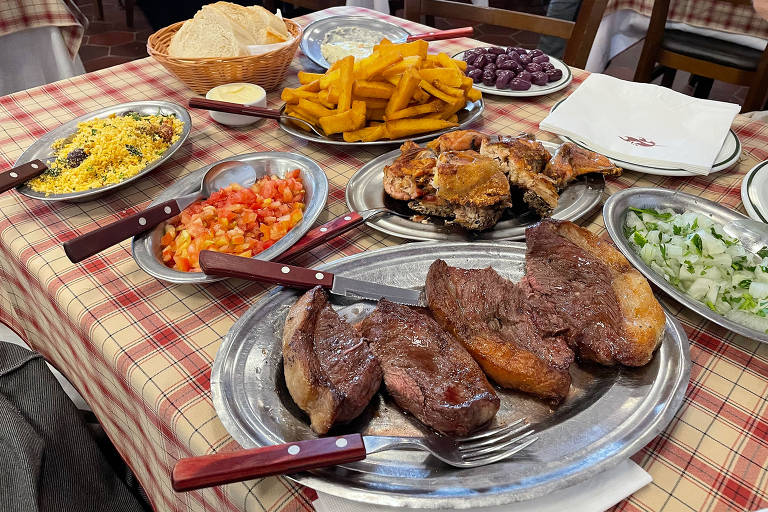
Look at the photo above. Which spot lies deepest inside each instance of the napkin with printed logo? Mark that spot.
(644, 123)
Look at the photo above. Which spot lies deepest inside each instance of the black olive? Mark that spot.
(76, 157)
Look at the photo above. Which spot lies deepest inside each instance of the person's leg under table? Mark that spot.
(564, 10)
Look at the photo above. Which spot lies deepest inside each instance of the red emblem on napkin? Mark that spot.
(638, 141)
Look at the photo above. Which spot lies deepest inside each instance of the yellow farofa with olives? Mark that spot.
(107, 150)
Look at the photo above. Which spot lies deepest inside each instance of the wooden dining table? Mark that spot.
(140, 350)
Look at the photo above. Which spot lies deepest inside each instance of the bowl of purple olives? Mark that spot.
(515, 71)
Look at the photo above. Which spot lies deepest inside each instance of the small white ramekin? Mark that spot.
(237, 119)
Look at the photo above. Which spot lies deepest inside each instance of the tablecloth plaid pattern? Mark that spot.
(140, 350)
(739, 19)
(17, 15)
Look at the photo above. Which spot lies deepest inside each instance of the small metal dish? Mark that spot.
(466, 116)
(313, 34)
(42, 147)
(146, 247)
(615, 213)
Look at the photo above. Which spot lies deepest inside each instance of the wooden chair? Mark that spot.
(580, 34)
(665, 51)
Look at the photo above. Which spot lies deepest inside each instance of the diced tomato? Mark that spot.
(237, 220)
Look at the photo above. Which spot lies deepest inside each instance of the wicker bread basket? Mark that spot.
(203, 74)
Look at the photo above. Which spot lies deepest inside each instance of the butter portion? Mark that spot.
(242, 93)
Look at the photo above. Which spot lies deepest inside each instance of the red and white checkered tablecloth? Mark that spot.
(713, 14)
(140, 350)
(18, 15)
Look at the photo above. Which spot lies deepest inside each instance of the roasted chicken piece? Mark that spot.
(523, 159)
(409, 176)
(459, 140)
(571, 161)
(427, 371)
(470, 188)
(492, 318)
(583, 288)
(330, 372)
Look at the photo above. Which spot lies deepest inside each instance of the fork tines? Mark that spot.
(497, 444)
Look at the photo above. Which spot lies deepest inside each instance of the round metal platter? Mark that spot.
(609, 414)
(365, 191)
(314, 33)
(614, 215)
(42, 147)
(729, 155)
(535, 90)
(466, 116)
(753, 192)
(146, 247)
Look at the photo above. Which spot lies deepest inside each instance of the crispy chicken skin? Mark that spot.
(583, 288)
(571, 161)
(459, 140)
(409, 176)
(491, 317)
(330, 371)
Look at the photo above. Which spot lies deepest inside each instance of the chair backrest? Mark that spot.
(580, 34)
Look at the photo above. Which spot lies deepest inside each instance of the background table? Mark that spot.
(626, 22)
(140, 350)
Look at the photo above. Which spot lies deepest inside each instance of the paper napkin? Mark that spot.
(597, 494)
(644, 123)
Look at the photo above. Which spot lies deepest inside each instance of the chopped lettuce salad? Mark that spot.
(693, 253)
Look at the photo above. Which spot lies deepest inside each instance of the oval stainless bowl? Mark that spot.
(42, 147)
(365, 191)
(466, 116)
(146, 247)
(314, 33)
(609, 414)
(614, 215)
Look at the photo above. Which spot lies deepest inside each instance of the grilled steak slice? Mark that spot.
(427, 371)
(584, 289)
(492, 318)
(330, 372)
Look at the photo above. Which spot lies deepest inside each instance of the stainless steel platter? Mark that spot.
(466, 116)
(365, 190)
(729, 155)
(42, 147)
(146, 247)
(535, 90)
(314, 33)
(609, 414)
(614, 215)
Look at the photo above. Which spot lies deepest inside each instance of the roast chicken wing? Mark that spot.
(571, 161)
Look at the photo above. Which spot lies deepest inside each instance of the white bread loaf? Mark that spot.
(224, 29)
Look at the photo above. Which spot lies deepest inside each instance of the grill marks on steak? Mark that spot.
(492, 318)
(427, 371)
(330, 371)
(584, 289)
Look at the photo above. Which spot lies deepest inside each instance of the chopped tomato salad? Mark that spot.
(235, 220)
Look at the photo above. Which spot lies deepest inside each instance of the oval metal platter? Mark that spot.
(315, 32)
(365, 190)
(42, 147)
(466, 116)
(146, 247)
(609, 414)
(614, 215)
(753, 192)
(729, 155)
(535, 90)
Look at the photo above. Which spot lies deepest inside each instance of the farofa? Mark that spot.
(107, 150)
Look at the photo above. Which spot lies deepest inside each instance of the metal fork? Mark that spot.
(467, 452)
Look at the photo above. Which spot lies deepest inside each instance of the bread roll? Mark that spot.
(223, 29)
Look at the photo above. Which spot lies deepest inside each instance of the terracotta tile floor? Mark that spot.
(110, 41)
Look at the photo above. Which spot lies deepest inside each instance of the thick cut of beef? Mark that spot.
(428, 372)
(492, 318)
(581, 287)
(330, 372)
